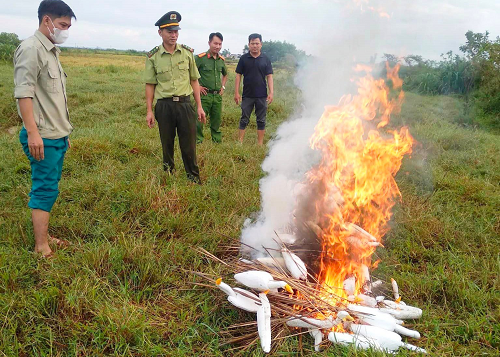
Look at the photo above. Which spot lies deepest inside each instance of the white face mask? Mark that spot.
(59, 36)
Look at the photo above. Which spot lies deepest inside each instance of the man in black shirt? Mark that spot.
(255, 68)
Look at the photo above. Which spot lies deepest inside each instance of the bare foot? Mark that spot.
(44, 250)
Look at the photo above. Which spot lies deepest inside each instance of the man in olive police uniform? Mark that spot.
(171, 77)
(211, 65)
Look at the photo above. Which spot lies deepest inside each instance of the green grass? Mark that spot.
(120, 289)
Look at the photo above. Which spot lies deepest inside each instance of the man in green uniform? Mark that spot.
(211, 65)
(171, 77)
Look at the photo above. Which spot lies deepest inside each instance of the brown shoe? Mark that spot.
(59, 243)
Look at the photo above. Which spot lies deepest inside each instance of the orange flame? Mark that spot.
(380, 11)
(356, 175)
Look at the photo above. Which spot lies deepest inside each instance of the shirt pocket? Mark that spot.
(183, 71)
(205, 68)
(53, 80)
(183, 66)
(164, 73)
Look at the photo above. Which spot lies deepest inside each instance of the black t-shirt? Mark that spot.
(254, 71)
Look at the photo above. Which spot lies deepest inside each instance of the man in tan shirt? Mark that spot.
(40, 90)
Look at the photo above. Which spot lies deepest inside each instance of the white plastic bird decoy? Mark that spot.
(294, 265)
(357, 341)
(387, 340)
(245, 300)
(363, 299)
(312, 323)
(264, 322)
(350, 285)
(395, 290)
(374, 317)
(240, 298)
(224, 287)
(273, 262)
(318, 338)
(261, 281)
(401, 310)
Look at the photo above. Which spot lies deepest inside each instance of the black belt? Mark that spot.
(213, 91)
(180, 99)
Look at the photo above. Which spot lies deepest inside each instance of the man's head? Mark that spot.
(54, 19)
(215, 42)
(168, 27)
(255, 43)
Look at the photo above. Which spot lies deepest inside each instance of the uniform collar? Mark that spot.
(49, 46)
(163, 50)
(209, 55)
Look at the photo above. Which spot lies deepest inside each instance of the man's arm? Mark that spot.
(237, 97)
(223, 83)
(197, 60)
(150, 94)
(151, 82)
(35, 141)
(197, 98)
(25, 76)
(270, 84)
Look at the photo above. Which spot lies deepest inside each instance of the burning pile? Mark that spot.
(319, 280)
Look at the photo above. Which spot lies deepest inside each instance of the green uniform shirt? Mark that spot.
(210, 70)
(38, 75)
(171, 73)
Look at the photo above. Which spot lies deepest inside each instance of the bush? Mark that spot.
(8, 44)
(452, 75)
(488, 95)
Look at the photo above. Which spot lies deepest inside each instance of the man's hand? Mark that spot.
(201, 115)
(150, 118)
(237, 98)
(221, 92)
(270, 98)
(35, 144)
(203, 90)
(69, 144)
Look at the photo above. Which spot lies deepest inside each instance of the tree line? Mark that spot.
(473, 74)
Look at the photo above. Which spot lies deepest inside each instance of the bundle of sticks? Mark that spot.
(289, 301)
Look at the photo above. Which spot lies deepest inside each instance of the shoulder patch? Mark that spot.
(203, 54)
(153, 51)
(221, 56)
(187, 48)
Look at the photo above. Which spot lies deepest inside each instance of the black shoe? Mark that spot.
(195, 179)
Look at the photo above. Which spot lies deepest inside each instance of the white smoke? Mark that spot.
(352, 37)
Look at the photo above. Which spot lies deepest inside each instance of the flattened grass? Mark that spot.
(120, 289)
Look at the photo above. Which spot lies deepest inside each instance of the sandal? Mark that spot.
(49, 256)
(59, 243)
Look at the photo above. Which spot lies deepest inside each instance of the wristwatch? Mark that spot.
(223, 87)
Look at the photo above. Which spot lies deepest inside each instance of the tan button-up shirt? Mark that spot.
(38, 74)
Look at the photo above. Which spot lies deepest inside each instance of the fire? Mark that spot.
(355, 178)
(362, 4)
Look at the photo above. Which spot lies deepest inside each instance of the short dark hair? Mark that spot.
(254, 36)
(54, 9)
(218, 34)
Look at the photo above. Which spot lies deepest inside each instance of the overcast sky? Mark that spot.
(425, 27)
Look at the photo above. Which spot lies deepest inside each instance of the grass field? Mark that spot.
(120, 289)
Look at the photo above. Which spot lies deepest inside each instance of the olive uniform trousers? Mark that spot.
(178, 117)
(212, 105)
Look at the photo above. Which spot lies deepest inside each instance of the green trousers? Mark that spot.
(212, 105)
